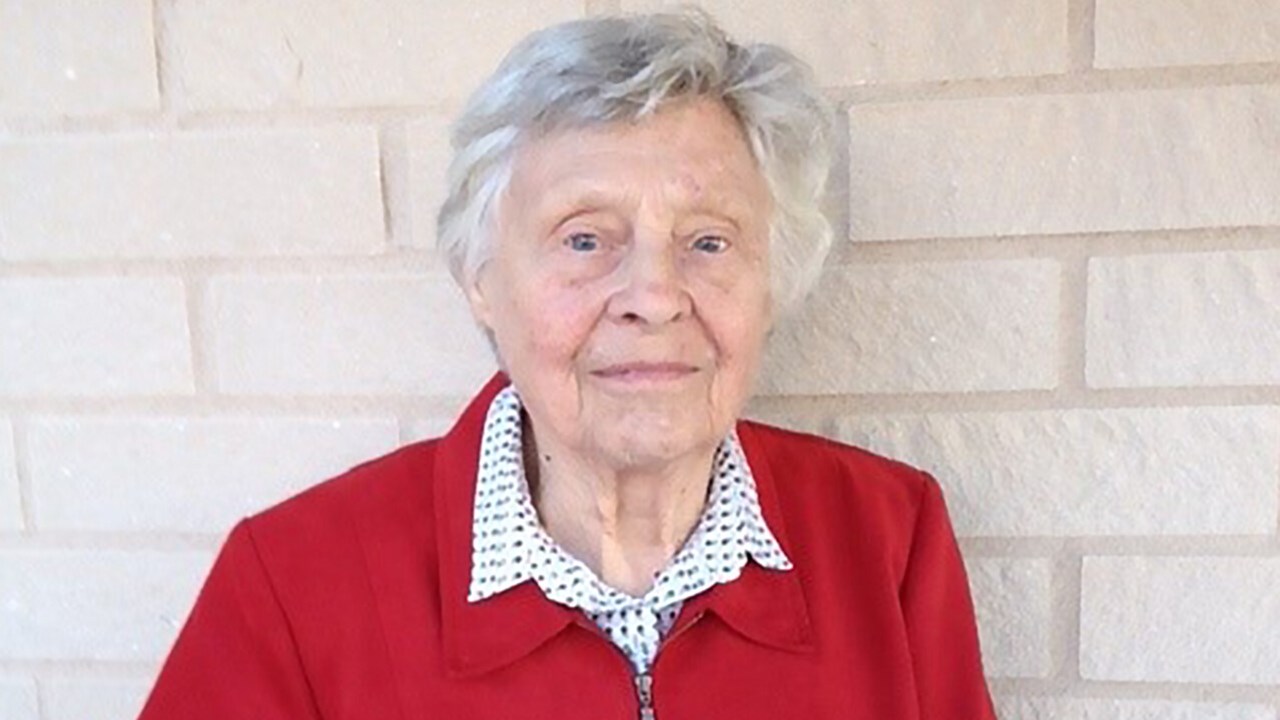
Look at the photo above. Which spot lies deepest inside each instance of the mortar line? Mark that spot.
(1049, 547)
(601, 7)
(1073, 318)
(416, 262)
(1276, 530)
(385, 189)
(160, 58)
(857, 404)
(1062, 245)
(1094, 81)
(1091, 82)
(22, 467)
(231, 405)
(79, 668)
(1081, 34)
(1067, 599)
(203, 367)
(839, 199)
(1133, 690)
(41, 701)
(402, 428)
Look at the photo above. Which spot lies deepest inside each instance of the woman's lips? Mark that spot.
(645, 372)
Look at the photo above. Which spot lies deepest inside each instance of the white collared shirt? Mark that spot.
(510, 546)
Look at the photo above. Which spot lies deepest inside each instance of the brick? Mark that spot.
(430, 427)
(1185, 32)
(207, 193)
(389, 334)
(1180, 619)
(1195, 319)
(18, 698)
(1058, 708)
(760, 410)
(95, 605)
(1065, 164)
(1132, 472)
(77, 57)
(1012, 599)
(94, 698)
(429, 155)
(94, 336)
(10, 497)
(186, 474)
(389, 52)
(901, 40)
(924, 327)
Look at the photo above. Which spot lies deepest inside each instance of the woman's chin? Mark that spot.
(651, 440)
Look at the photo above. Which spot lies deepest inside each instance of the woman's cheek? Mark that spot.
(560, 323)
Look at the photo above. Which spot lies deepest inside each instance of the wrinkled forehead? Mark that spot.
(694, 155)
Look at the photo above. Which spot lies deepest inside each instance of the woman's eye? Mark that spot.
(711, 244)
(583, 242)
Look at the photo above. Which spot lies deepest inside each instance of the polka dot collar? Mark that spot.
(509, 545)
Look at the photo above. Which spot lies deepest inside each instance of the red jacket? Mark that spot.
(349, 601)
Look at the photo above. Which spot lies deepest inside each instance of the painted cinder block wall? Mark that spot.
(1056, 286)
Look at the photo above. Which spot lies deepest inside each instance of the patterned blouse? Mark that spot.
(510, 546)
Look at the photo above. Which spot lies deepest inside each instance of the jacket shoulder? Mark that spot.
(390, 489)
(814, 459)
(831, 492)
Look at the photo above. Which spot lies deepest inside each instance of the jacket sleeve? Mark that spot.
(940, 623)
(235, 656)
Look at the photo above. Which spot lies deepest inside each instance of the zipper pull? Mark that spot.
(644, 693)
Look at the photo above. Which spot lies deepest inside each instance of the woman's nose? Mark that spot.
(651, 287)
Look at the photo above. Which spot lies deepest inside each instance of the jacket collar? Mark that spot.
(767, 606)
(763, 605)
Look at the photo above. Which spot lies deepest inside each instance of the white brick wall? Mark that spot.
(18, 700)
(185, 474)
(1202, 619)
(1013, 599)
(10, 496)
(95, 604)
(921, 328)
(428, 154)
(94, 336)
(93, 698)
(429, 427)
(299, 192)
(348, 53)
(1174, 319)
(1176, 471)
(1042, 708)
(1056, 286)
(1186, 32)
(57, 60)
(1065, 163)
(903, 40)
(345, 335)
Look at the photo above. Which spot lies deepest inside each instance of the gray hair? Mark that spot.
(621, 69)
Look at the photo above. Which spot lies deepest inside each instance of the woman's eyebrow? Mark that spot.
(564, 204)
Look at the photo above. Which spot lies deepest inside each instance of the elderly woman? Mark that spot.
(631, 202)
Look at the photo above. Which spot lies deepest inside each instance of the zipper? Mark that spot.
(644, 694)
(643, 683)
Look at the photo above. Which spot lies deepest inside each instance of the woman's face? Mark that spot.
(628, 294)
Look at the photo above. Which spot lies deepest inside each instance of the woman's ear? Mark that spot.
(477, 290)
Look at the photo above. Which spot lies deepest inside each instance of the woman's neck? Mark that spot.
(625, 523)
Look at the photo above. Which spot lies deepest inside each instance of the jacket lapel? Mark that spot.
(482, 636)
(766, 606)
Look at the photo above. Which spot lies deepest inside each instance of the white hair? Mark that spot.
(621, 69)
